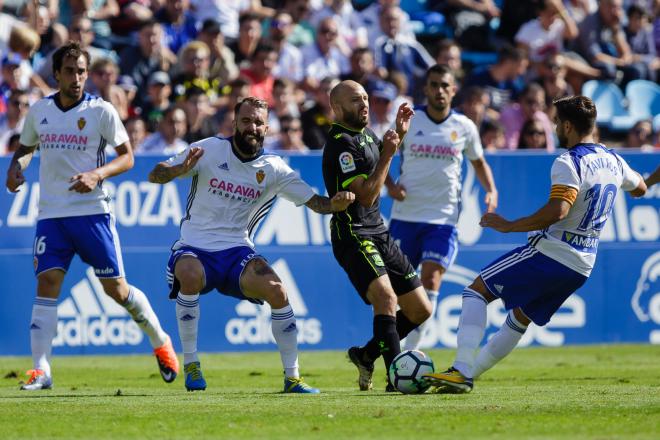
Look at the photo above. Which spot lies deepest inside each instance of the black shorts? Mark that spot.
(365, 258)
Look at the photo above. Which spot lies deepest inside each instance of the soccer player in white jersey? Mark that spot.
(428, 192)
(534, 280)
(234, 184)
(72, 129)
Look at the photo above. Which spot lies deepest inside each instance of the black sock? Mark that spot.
(371, 351)
(386, 338)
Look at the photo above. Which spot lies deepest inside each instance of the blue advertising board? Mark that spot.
(619, 303)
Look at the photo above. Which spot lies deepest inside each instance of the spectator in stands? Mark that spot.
(235, 92)
(80, 30)
(492, 136)
(25, 42)
(394, 52)
(381, 97)
(532, 136)
(530, 105)
(303, 32)
(249, 34)
(449, 54)
(7, 23)
(227, 13)
(318, 119)
(473, 103)
(148, 57)
(159, 91)
(51, 33)
(12, 121)
(284, 104)
(137, 131)
(470, 20)
(352, 30)
(501, 80)
(640, 136)
(178, 23)
(552, 77)
(322, 58)
(132, 14)
(260, 72)
(198, 111)
(363, 68)
(371, 19)
(168, 140)
(195, 63)
(580, 9)
(100, 12)
(289, 57)
(290, 137)
(103, 75)
(512, 17)
(639, 35)
(602, 42)
(222, 65)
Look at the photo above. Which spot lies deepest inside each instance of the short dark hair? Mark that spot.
(580, 111)
(247, 16)
(194, 91)
(441, 69)
(510, 53)
(251, 100)
(263, 47)
(70, 50)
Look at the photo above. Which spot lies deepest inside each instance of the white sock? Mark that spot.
(471, 328)
(43, 327)
(414, 337)
(285, 332)
(140, 310)
(187, 317)
(500, 345)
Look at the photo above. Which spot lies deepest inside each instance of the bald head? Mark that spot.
(350, 103)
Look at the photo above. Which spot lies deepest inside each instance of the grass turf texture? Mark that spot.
(593, 392)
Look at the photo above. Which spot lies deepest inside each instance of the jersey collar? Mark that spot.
(425, 109)
(343, 127)
(56, 99)
(238, 156)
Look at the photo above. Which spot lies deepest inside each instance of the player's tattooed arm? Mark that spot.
(19, 162)
(325, 205)
(163, 172)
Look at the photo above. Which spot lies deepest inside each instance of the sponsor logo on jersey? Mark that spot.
(580, 242)
(252, 326)
(434, 151)
(233, 190)
(346, 162)
(44, 121)
(81, 123)
(89, 317)
(260, 176)
(224, 166)
(645, 301)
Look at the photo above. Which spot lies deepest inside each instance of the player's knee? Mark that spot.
(115, 288)
(49, 283)
(190, 276)
(276, 294)
(384, 299)
(479, 286)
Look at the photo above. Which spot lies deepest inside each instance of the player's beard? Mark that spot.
(248, 148)
(356, 120)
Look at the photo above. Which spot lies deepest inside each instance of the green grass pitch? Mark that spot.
(590, 392)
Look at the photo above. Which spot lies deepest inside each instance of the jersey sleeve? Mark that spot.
(179, 158)
(473, 148)
(111, 127)
(29, 135)
(563, 172)
(630, 178)
(290, 186)
(351, 162)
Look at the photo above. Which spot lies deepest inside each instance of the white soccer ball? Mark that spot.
(407, 369)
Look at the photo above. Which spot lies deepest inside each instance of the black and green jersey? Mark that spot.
(347, 155)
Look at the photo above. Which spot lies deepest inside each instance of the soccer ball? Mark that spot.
(407, 369)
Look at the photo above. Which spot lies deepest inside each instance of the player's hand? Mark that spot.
(397, 191)
(491, 201)
(15, 178)
(495, 221)
(391, 142)
(191, 159)
(84, 182)
(341, 200)
(403, 117)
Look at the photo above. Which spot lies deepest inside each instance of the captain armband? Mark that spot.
(563, 192)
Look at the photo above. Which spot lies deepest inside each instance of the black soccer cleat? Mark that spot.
(365, 369)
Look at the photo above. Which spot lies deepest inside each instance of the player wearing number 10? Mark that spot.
(534, 280)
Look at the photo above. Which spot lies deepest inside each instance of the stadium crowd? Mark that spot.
(174, 69)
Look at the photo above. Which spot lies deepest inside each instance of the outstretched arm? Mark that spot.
(550, 213)
(485, 176)
(163, 172)
(19, 162)
(325, 205)
(653, 178)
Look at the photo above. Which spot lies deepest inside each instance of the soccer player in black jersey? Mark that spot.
(354, 159)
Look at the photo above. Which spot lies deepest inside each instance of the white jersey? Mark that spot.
(597, 173)
(431, 161)
(228, 196)
(71, 141)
